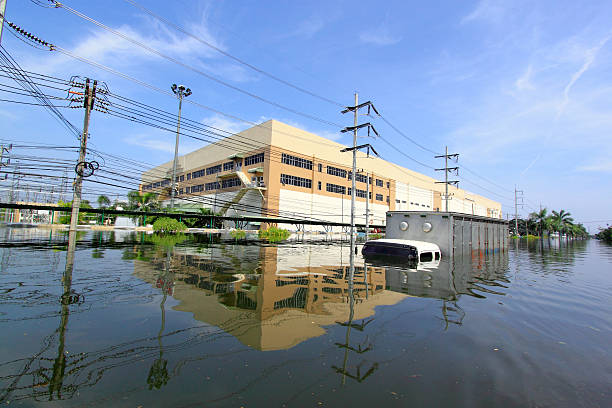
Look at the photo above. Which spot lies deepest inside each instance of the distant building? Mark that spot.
(275, 169)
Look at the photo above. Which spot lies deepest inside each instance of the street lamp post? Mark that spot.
(181, 92)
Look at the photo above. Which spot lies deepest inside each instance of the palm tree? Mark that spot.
(542, 220)
(103, 201)
(562, 222)
(142, 202)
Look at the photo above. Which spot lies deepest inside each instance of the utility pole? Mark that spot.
(2, 11)
(88, 103)
(367, 214)
(5, 163)
(447, 170)
(516, 204)
(181, 92)
(355, 128)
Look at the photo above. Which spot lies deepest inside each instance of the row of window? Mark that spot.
(213, 170)
(334, 188)
(295, 181)
(233, 182)
(296, 161)
(335, 171)
(411, 203)
(359, 193)
(215, 185)
(254, 159)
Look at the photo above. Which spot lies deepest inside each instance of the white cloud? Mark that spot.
(589, 57)
(307, 28)
(106, 48)
(379, 36)
(524, 82)
(163, 143)
(602, 165)
(225, 123)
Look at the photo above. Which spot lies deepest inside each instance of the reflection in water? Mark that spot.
(266, 297)
(158, 374)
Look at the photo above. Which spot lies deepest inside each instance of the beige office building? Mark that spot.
(277, 170)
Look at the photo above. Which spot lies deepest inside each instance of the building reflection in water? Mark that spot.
(275, 297)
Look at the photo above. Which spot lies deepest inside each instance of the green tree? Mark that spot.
(542, 220)
(142, 202)
(561, 222)
(103, 201)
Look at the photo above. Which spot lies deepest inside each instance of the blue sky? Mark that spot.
(521, 89)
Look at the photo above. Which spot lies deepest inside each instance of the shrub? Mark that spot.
(274, 234)
(376, 236)
(605, 235)
(166, 224)
(238, 234)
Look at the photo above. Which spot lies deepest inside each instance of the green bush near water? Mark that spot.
(166, 224)
(605, 235)
(238, 234)
(273, 234)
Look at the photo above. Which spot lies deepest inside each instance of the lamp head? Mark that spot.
(173, 87)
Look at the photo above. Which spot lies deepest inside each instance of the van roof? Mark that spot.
(419, 245)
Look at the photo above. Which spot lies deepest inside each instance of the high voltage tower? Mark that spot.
(447, 170)
(355, 129)
(518, 195)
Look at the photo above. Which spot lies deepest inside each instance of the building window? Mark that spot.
(388, 200)
(196, 174)
(379, 197)
(254, 159)
(181, 191)
(296, 161)
(379, 183)
(388, 184)
(228, 166)
(187, 190)
(233, 182)
(319, 184)
(397, 201)
(213, 170)
(188, 176)
(320, 167)
(197, 189)
(334, 188)
(182, 178)
(295, 181)
(212, 186)
(359, 193)
(334, 171)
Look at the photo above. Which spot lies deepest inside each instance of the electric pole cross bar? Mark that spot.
(353, 128)
(369, 146)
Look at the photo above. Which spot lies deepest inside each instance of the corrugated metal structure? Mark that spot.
(454, 233)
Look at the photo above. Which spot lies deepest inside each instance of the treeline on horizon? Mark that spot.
(541, 223)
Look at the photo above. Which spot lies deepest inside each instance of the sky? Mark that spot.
(520, 89)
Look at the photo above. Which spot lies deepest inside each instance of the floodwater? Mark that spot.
(197, 321)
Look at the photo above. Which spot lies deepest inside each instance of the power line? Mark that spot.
(192, 68)
(227, 54)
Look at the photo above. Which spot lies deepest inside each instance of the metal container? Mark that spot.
(454, 233)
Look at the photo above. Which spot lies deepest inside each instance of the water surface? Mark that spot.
(200, 321)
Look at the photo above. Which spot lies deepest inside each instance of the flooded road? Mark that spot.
(198, 321)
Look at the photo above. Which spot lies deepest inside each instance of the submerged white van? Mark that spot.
(407, 249)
